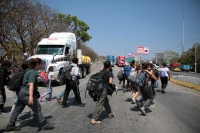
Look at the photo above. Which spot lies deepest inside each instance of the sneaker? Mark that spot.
(93, 122)
(111, 115)
(133, 101)
(51, 99)
(124, 90)
(40, 98)
(81, 105)
(58, 99)
(143, 111)
(152, 104)
(11, 127)
(64, 105)
(48, 126)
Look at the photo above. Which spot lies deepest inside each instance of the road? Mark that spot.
(176, 111)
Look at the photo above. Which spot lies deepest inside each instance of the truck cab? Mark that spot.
(111, 58)
(55, 51)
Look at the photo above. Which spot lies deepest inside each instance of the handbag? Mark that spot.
(111, 89)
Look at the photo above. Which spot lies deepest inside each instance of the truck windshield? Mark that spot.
(50, 49)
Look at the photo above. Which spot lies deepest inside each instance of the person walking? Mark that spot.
(74, 85)
(4, 78)
(27, 96)
(103, 99)
(15, 97)
(164, 76)
(127, 69)
(49, 85)
(146, 90)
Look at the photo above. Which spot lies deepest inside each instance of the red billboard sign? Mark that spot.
(131, 54)
(142, 50)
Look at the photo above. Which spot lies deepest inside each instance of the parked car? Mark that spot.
(177, 69)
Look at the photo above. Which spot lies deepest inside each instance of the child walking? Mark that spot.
(49, 86)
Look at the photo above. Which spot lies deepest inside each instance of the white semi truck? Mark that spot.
(56, 50)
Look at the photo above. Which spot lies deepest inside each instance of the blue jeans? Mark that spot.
(61, 94)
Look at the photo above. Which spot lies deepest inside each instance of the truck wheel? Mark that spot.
(88, 69)
(83, 72)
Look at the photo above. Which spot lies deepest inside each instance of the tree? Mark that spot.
(73, 24)
(170, 56)
(188, 57)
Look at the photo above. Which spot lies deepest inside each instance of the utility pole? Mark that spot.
(195, 64)
(195, 56)
(183, 25)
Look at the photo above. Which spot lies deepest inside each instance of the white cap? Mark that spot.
(150, 62)
(25, 54)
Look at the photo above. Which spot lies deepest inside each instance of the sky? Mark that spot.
(118, 27)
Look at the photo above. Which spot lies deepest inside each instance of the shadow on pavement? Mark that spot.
(34, 123)
(128, 99)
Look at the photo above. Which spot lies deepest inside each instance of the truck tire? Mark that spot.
(83, 72)
(88, 69)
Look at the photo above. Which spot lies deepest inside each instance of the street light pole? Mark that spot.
(195, 57)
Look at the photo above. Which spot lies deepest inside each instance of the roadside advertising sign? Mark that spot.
(142, 50)
(131, 54)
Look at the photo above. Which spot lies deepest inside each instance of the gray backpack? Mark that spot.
(67, 77)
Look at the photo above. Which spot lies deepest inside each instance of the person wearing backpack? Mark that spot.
(142, 80)
(27, 96)
(133, 84)
(24, 66)
(4, 78)
(127, 69)
(102, 100)
(73, 84)
(164, 76)
(63, 92)
(49, 85)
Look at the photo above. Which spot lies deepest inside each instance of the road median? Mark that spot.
(187, 81)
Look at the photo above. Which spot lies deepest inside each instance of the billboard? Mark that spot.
(131, 54)
(142, 50)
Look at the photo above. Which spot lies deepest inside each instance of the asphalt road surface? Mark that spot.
(176, 111)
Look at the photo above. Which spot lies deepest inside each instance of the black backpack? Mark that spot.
(15, 82)
(67, 77)
(95, 85)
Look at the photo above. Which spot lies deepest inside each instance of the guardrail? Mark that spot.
(187, 81)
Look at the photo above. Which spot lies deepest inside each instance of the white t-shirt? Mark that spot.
(50, 76)
(165, 69)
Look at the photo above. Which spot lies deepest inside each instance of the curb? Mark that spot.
(189, 85)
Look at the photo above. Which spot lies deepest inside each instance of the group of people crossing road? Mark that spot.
(145, 81)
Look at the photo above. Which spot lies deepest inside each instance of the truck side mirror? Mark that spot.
(53, 58)
(70, 51)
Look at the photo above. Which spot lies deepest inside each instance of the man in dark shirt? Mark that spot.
(103, 99)
(3, 80)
